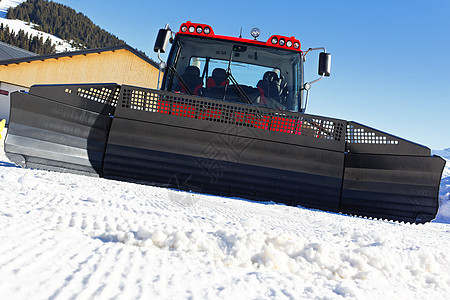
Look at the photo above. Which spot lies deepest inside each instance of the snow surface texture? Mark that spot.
(16, 25)
(68, 236)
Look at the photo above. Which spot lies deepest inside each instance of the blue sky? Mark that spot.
(390, 59)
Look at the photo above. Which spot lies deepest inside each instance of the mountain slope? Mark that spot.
(64, 22)
(29, 29)
(21, 27)
(41, 22)
(6, 4)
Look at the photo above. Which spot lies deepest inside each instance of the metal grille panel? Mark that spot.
(231, 113)
(102, 95)
(364, 139)
(363, 135)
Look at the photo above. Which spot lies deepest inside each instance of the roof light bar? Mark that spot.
(195, 28)
(284, 42)
(278, 41)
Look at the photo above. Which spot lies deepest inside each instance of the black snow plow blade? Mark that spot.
(223, 148)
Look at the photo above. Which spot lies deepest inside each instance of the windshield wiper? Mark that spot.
(236, 87)
(181, 81)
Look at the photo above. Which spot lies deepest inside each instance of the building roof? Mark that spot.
(8, 51)
(74, 53)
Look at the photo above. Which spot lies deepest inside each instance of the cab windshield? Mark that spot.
(237, 72)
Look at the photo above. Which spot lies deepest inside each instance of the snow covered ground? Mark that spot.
(16, 25)
(6, 4)
(68, 236)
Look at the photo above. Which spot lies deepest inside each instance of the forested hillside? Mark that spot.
(23, 40)
(59, 20)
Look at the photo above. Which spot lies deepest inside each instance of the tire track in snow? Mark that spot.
(132, 275)
(20, 253)
(101, 272)
(33, 266)
(114, 277)
(84, 263)
(68, 253)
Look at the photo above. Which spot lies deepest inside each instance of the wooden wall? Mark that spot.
(118, 66)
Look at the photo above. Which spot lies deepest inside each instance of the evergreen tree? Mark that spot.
(24, 41)
(59, 20)
(63, 22)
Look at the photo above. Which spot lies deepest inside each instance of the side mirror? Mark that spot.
(162, 39)
(324, 64)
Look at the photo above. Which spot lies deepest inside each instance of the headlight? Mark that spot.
(289, 43)
(282, 42)
(199, 30)
(255, 32)
(206, 30)
(296, 45)
(183, 28)
(274, 40)
(191, 29)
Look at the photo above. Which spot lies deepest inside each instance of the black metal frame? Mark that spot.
(223, 148)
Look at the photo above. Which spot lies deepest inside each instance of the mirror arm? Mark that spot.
(313, 49)
(164, 36)
(314, 81)
(322, 73)
(307, 85)
(162, 65)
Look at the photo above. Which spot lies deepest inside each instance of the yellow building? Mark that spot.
(118, 64)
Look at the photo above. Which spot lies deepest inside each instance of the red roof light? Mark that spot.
(284, 42)
(196, 29)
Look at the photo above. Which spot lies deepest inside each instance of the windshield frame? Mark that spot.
(296, 71)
